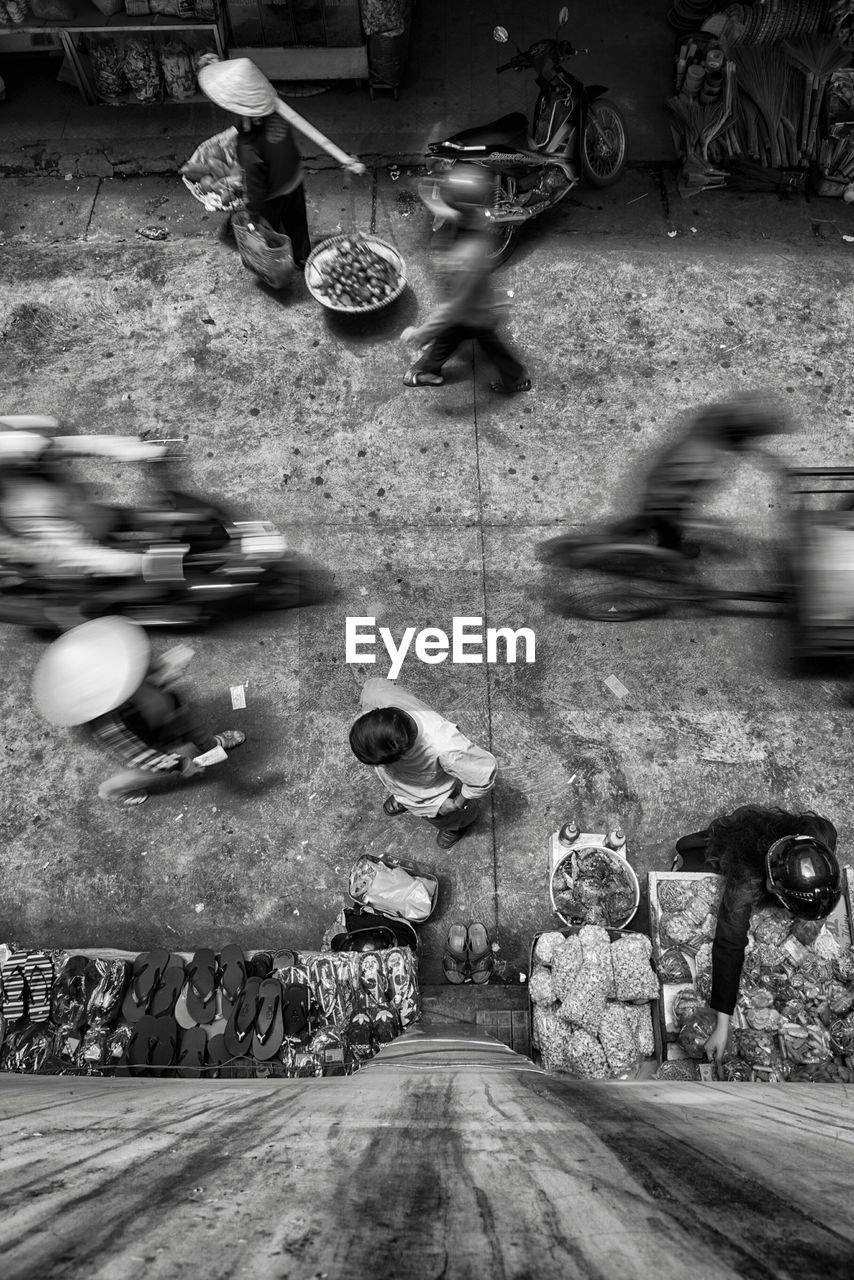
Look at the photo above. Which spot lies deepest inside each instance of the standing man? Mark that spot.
(469, 307)
(266, 150)
(426, 765)
(102, 675)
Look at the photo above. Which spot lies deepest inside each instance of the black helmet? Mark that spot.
(378, 939)
(467, 188)
(803, 874)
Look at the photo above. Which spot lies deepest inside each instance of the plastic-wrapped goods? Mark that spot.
(759, 1048)
(767, 1019)
(52, 10)
(596, 950)
(771, 925)
(567, 960)
(736, 1070)
(117, 1045)
(673, 966)
(139, 61)
(673, 896)
(30, 1049)
(178, 74)
(617, 1038)
(679, 1069)
(842, 1032)
(584, 1056)
(94, 1047)
(640, 1020)
(695, 1032)
(204, 10)
(107, 58)
(381, 16)
(634, 978)
(584, 1006)
(686, 1002)
(105, 1002)
(545, 946)
(541, 986)
(549, 1033)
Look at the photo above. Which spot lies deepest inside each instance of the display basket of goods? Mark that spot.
(212, 174)
(796, 990)
(591, 881)
(392, 888)
(355, 274)
(822, 562)
(594, 997)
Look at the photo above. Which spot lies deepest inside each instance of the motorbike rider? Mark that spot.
(768, 857)
(48, 524)
(688, 469)
(102, 675)
(469, 308)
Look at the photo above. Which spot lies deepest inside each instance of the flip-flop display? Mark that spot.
(273, 1014)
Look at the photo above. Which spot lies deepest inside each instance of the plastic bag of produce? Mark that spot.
(584, 1056)
(541, 986)
(695, 1032)
(618, 1039)
(759, 1048)
(686, 1002)
(631, 961)
(673, 896)
(545, 945)
(567, 960)
(178, 73)
(142, 69)
(771, 925)
(678, 1069)
(760, 1019)
(639, 1017)
(264, 252)
(703, 971)
(584, 1006)
(596, 951)
(673, 966)
(736, 1070)
(108, 76)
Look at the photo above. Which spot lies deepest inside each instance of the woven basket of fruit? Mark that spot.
(355, 274)
(213, 175)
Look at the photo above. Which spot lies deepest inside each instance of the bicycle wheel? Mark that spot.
(616, 604)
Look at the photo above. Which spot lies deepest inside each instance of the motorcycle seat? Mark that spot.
(507, 131)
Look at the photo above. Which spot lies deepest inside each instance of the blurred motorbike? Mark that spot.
(178, 561)
(575, 132)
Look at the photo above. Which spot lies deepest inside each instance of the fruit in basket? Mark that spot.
(353, 274)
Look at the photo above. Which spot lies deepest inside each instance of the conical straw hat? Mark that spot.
(238, 86)
(90, 670)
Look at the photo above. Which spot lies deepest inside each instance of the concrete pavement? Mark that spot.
(631, 307)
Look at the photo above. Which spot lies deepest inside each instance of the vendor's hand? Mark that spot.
(716, 1045)
(356, 166)
(410, 334)
(451, 805)
(187, 753)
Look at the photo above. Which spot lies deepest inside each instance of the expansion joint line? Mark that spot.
(480, 533)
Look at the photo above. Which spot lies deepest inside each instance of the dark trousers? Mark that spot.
(458, 819)
(287, 214)
(445, 344)
(667, 528)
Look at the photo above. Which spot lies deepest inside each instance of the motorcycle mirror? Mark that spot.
(500, 34)
(563, 17)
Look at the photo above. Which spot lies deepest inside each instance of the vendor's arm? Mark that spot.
(472, 765)
(296, 121)
(256, 177)
(730, 944)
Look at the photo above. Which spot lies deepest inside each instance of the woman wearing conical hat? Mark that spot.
(266, 149)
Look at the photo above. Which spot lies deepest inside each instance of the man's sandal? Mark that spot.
(230, 739)
(454, 959)
(418, 378)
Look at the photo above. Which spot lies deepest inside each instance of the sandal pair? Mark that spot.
(467, 957)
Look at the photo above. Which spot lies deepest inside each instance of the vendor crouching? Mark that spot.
(768, 857)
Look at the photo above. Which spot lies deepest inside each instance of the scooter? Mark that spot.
(575, 132)
(199, 563)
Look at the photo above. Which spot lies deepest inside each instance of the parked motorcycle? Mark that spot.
(199, 564)
(575, 133)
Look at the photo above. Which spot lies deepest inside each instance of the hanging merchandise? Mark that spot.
(177, 66)
(108, 77)
(17, 10)
(142, 69)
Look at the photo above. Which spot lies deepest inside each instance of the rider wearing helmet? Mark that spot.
(767, 856)
(469, 308)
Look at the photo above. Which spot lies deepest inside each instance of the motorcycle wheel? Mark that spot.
(604, 147)
(616, 604)
(502, 243)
